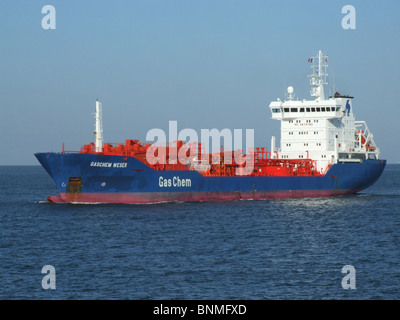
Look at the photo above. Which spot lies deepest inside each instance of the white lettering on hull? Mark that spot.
(175, 182)
(109, 164)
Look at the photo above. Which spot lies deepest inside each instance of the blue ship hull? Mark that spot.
(95, 178)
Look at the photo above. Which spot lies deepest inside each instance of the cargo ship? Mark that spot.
(323, 152)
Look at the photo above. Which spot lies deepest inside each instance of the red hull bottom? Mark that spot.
(157, 197)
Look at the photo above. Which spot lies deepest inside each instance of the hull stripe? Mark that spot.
(156, 197)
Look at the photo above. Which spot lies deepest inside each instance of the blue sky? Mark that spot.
(206, 64)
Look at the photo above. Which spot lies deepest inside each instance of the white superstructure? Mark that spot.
(323, 129)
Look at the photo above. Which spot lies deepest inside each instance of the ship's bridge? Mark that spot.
(323, 129)
(290, 109)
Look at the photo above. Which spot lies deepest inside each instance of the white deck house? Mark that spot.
(322, 129)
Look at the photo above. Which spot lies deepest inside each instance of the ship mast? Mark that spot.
(318, 76)
(99, 128)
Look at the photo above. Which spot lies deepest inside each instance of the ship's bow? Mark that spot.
(52, 163)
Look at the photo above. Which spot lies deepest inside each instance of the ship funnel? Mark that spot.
(99, 128)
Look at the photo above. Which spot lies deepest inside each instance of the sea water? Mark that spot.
(264, 249)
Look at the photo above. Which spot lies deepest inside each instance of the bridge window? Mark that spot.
(293, 110)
